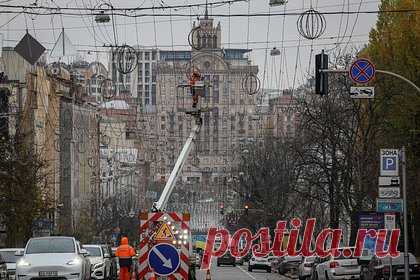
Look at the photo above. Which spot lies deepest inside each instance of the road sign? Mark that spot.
(389, 205)
(164, 233)
(389, 220)
(362, 71)
(389, 192)
(389, 162)
(362, 92)
(164, 259)
(389, 181)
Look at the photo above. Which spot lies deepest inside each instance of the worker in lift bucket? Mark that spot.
(195, 77)
(124, 254)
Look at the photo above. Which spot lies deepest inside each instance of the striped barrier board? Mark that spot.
(149, 225)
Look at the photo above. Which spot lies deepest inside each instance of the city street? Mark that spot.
(239, 273)
(151, 136)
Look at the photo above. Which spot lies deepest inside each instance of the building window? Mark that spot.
(147, 69)
(147, 56)
(153, 94)
(153, 55)
(140, 55)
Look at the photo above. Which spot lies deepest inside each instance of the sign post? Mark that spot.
(405, 215)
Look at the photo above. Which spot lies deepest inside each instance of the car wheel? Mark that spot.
(234, 264)
(269, 270)
(218, 264)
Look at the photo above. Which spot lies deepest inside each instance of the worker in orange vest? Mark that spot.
(125, 253)
(195, 77)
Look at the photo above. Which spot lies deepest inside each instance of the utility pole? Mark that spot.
(405, 214)
(404, 165)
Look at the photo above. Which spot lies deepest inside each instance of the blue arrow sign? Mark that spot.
(362, 71)
(164, 259)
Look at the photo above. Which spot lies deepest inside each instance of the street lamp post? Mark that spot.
(404, 164)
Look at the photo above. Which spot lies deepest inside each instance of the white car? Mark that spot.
(259, 263)
(305, 268)
(9, 257)
(100, 260)
(54, 258)
(337, 268)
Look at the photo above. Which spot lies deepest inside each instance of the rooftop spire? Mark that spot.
(206, 14)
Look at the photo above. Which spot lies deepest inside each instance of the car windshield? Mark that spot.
(93, 251)
(50, 245)
(309, 259)
(9, 256)
(400, 259)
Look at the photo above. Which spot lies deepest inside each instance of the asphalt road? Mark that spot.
(238, 273)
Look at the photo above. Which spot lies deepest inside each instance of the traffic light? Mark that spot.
(222, 209)
(246, 209)
(321, 78)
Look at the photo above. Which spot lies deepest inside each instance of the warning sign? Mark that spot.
(164, 233)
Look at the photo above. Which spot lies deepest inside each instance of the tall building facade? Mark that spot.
(232, 119)
(229, 122)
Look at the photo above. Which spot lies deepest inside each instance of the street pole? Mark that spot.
(405, 214)
(403, 159)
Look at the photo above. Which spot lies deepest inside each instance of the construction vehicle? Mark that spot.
(159, 226)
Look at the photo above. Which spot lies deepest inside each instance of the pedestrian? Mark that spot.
(124, 254)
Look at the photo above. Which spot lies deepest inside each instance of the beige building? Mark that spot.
(230, 122)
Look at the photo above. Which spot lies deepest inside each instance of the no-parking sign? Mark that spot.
(362, 71)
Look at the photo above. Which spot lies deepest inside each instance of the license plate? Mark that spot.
(48, 273)
(402, 270)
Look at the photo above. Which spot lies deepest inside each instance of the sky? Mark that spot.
(289, 70)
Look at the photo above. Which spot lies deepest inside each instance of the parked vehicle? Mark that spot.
(3, 269)
(101, 262)
(10, 259)
(53, 257)
(226, 259)
(239, 261)
(380, 268)
(305, 268)
(259, 263)
(289, 264)
(114, 269)
(336, 268)
(364, 261)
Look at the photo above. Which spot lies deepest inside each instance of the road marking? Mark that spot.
(247, 273)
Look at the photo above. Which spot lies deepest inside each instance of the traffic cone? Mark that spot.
(208, 276)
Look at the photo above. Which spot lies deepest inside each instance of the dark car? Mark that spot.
(289, 264)
(380, 268)
(114, 269)
(3, 269)
(227, 259)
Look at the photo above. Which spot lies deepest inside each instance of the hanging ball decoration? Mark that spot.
(195, 38)
(126, 57)
(108, 89)
(311, 24)
(251, 84)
